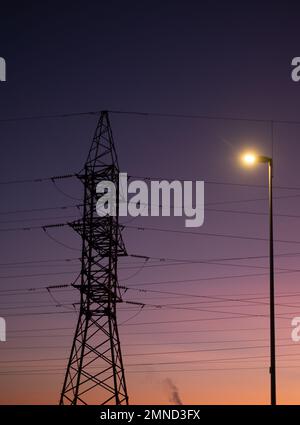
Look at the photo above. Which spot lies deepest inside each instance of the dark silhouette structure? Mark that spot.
(95, 371)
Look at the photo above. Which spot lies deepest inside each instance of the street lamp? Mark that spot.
(249, 159)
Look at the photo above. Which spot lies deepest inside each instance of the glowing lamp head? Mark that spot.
(249, 159)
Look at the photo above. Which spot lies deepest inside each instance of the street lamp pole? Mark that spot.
(251, 159)
(272, 294)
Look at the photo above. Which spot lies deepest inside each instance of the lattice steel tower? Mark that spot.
(95, 372)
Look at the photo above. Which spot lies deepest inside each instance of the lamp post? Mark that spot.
(251, 159)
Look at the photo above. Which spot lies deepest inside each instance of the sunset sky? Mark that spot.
(205, 325)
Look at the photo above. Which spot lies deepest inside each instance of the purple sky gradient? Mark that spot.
(169, 57)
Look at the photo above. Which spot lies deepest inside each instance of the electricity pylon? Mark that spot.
(95, 372)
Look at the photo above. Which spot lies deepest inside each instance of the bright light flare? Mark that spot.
(249, 158)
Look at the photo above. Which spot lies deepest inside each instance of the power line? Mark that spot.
(67, 195)
(38, 179)
(246, 303)
(58, 242)
(218, 263)
(251, 213)
(158, 259)
(56, 260)
(208, 278)
(77, 206)
(41, 330)
(235, 315)
(210, 310)
(215, 182)
(48, 116)
(208, 360)
(203, 117)
(177, 331)
(132, 288)
(63, 207)
(55, 178)
(142, 344)
(215, 298)
(157, 353)
(38, 219)
(48, 313)
(60, 371)
(220, 235)
(152, 114)
(46, 226)
(35, 275)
